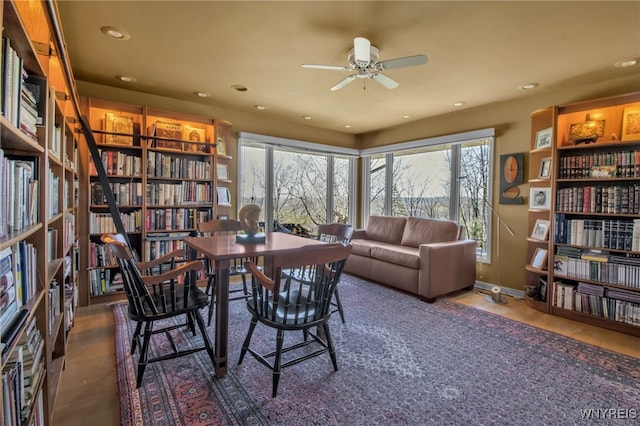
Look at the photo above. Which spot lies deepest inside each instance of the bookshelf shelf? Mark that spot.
(162, 176)
(594, 246)
(38, 142)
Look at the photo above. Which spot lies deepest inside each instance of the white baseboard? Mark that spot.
(481, 285)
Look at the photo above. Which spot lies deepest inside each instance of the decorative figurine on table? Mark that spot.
(248, 217)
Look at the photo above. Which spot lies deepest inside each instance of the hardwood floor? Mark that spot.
(89, 394)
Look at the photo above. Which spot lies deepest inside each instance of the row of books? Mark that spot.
(18, 183)
(52, 192)
(617, 199)
(157, 245)
(54, 303)
(22, 378)
(17, 285)
(613, 234)
(165, 165)
(100, 255)
(161, 219)
(610, 303)
(175, 194)
(22, 99)
(621, 163)
(100, 223)
(104, 281)
(125, 193)
(117, 163)
(603, 267)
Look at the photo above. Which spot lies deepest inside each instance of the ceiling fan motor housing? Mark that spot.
(373, 58)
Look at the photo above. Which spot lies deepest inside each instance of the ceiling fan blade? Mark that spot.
(387, 82)
(407, 61)
(326, 67)
(362, 50)
(344, 82)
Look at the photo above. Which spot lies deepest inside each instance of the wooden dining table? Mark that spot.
(220, 250)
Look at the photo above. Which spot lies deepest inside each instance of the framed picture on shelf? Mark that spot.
(222, 171)
(119, 127)
(539, 259)
(540, 230)
(221, 146)
(543, 138)
(196, 135)
(631, 124)
(545, 168)
(540, 198)
(224, 196)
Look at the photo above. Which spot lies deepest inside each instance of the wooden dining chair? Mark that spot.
(237, 268)
(159, 297)
(285, 304)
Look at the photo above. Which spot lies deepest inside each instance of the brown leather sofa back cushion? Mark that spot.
(422, 231)
(387, 229)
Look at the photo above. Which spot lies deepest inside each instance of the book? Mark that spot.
(194, 134)
(120, 126)
(171, 131)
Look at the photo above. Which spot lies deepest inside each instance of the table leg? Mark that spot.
(222, 317)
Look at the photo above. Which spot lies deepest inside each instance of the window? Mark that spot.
(445, 178)
(297, 183)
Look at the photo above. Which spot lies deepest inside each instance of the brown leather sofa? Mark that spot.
(425, 257)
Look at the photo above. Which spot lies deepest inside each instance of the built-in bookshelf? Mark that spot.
(594, 247)
(225, 149)
(540, 174)
(161, 170)
(39, 187)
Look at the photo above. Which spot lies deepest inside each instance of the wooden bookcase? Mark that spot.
(594, 240)
(541, 152)
(162, 169)
(39, 182)
(224, 169)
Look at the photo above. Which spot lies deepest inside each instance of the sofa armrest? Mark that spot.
(446, 267)
(359, 234)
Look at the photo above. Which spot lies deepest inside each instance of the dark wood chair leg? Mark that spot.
(142, 360)
(136, 336)
(277, 361)
(212, 300)
(247, 340)
(332, 349)
(339, 304)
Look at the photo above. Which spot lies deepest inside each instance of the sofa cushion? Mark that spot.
(424, 231)
(386, 229)
(398, 255)
(362, 247)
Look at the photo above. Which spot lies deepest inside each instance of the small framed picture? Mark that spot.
(222, 171)
(221, 146)
(543, 138)
(540, 198)
(631, 124)
(224, 196)
(545, 168)
(540, 230)
(539, 259)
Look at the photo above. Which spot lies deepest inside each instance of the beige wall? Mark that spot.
(511, 119)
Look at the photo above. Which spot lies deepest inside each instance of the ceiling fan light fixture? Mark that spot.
(115, 33)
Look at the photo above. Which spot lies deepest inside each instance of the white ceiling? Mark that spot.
(479, 52)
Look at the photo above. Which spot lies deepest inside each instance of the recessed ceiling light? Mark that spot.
(202, 94)
(239, 88)
(458, 104)
(260, 107)
(528, 86)
(126, 78)
(306, 117)
(115, 33)
(348, 126)
(624, 63)
(406, 116)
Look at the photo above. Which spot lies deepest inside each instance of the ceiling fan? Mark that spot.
(363, 60)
